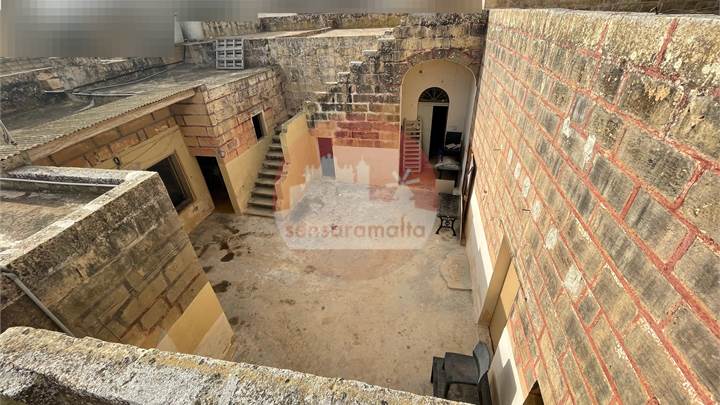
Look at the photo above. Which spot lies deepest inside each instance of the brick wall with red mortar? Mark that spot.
(217, 121)
(598, 155)
(363, 108)
(665, 6)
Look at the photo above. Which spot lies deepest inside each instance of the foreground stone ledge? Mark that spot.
(40, 367)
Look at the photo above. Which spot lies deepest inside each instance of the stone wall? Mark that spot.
(218, 120)
(666, 6)
(40, 367)
(24, 80)
(120, 268)
(330, 20)
(598, 158)
(363, 108)
(307, 64)
(137, 145)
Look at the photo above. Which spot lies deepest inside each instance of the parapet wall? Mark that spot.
(119, 268)
(40, 367)
(665, 6)
(598, 156)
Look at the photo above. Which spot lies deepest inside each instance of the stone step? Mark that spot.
(273, 164)
(273, 155)
(263, 190)
(260, 212)
(265, 181)
(268, 172)
(262, 202)
(276, 147)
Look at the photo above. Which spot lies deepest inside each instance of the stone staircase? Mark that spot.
(262, 198)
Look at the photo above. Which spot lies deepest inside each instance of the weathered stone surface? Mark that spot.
(655, 225)
(702, 205)
(609, 78)
(656, 162)
(661, 372)
(650, 100)
(699, 347)
(39, 367)
(612, 296)
(611, 182)
(629, 387)
(699, 126)
(642, 46)
(693, 51)
(699, 270)
(606, 127)
(652, 287)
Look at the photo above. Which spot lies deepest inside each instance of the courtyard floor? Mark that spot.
(374, 315)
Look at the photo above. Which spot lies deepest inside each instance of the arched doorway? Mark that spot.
(436, 98)
(432, 111)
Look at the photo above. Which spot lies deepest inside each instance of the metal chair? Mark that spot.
(457, 368)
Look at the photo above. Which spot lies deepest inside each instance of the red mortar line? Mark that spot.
(611, 106)
(626, 287)
(586, 329)
(536, 262)
(668, 37)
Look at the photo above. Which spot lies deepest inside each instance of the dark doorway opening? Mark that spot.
(327, 162)
(216, 185)
(257, 122)
(174, 181)
(534, 396)
(437, 132)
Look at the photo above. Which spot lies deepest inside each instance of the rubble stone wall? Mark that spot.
(598, 157)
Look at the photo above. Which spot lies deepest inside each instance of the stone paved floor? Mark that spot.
(371, 315)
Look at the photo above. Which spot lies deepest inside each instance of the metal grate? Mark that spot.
(229, 53)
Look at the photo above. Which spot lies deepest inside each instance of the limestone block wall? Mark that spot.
(330, 20)
(218, 120)
(302, 162)
(137, 145)
(120, 268)
(307, 64)
(35, 369)
(598, 158)
(667, 6)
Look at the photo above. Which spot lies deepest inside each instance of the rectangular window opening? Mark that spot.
(172, 177)
(257, 122)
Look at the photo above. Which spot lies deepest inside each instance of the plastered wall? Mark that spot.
(302, 161)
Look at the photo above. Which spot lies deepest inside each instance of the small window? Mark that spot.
(258, 125)
(174, 181)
